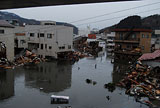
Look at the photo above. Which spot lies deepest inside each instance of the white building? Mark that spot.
(157, 42)
(49, 40)
(20, 37)
(110, 42)
(46, 39)
(7, 38)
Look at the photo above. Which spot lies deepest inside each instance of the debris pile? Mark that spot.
(26, 58)
(89, 81)
(142, 81)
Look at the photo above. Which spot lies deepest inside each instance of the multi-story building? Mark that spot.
(155, 40)
(46, 39)
(7, 40)
(49, 40)
(110, 43)
(129, 39)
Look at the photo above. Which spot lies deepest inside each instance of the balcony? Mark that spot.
(127, 41)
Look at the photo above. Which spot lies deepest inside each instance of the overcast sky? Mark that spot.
(70, 13)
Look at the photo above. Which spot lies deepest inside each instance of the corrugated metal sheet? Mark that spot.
(150, 56)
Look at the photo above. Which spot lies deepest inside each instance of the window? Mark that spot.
(50, 47)
(147, 36)
(62, 47)
(69, 46)
(128, 46)
(121, 36)
(142, 35)
(41, 34)
(41, 46)
(22, 41)
(49, 35)
(133, 36)
(1, 31)
(45, 46)
(37, 45)
(31, 34)
(38, 35)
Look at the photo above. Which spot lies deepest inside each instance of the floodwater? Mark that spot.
(32, 86)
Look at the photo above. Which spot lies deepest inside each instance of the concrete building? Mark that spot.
(7, 38)
(49, 40)
(155, 40)
(110, 43)
(129, 39)
(20, 37)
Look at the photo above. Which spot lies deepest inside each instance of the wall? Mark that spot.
(8, 39)
(145, 42)
(21, 36)
(61, 36)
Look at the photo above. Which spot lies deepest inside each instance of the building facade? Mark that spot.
(110, 42)
(7, 39)
(129, 39)
(48, 40)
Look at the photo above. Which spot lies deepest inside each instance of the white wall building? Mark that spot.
(49, 40)
(110, 42)
(20, 37)
(7, 37)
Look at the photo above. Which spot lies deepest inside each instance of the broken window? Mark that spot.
(1, 31)
(41, 34)
(133, 36)
(41, 46)
(69, 46)
(45, 46)
(50, 47)
(121, 36)
(31, 34)
(22, 41)
(38, 35)
(63, 47)
(147, 36)
(49, 35)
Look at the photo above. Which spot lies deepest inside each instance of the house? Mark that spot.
(7, 40)
(129, 39)
(49, 40)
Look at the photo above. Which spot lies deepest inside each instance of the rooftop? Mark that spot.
(4, 23)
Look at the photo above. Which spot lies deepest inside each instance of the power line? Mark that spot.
(116, 17)
(115, 12)
(100, 16)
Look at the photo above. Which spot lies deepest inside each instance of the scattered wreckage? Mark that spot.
(26, 58)
(142, 81)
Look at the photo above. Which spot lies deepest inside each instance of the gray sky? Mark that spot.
(70, 13)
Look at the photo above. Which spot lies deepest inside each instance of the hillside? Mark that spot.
(150, 22)
(11, 16)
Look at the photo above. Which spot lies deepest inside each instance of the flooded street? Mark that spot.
(31, 87)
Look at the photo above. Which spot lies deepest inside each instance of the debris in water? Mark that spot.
(94, 82)
(59, 99)
(110, 87)
(108, 97)
(88, 81)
